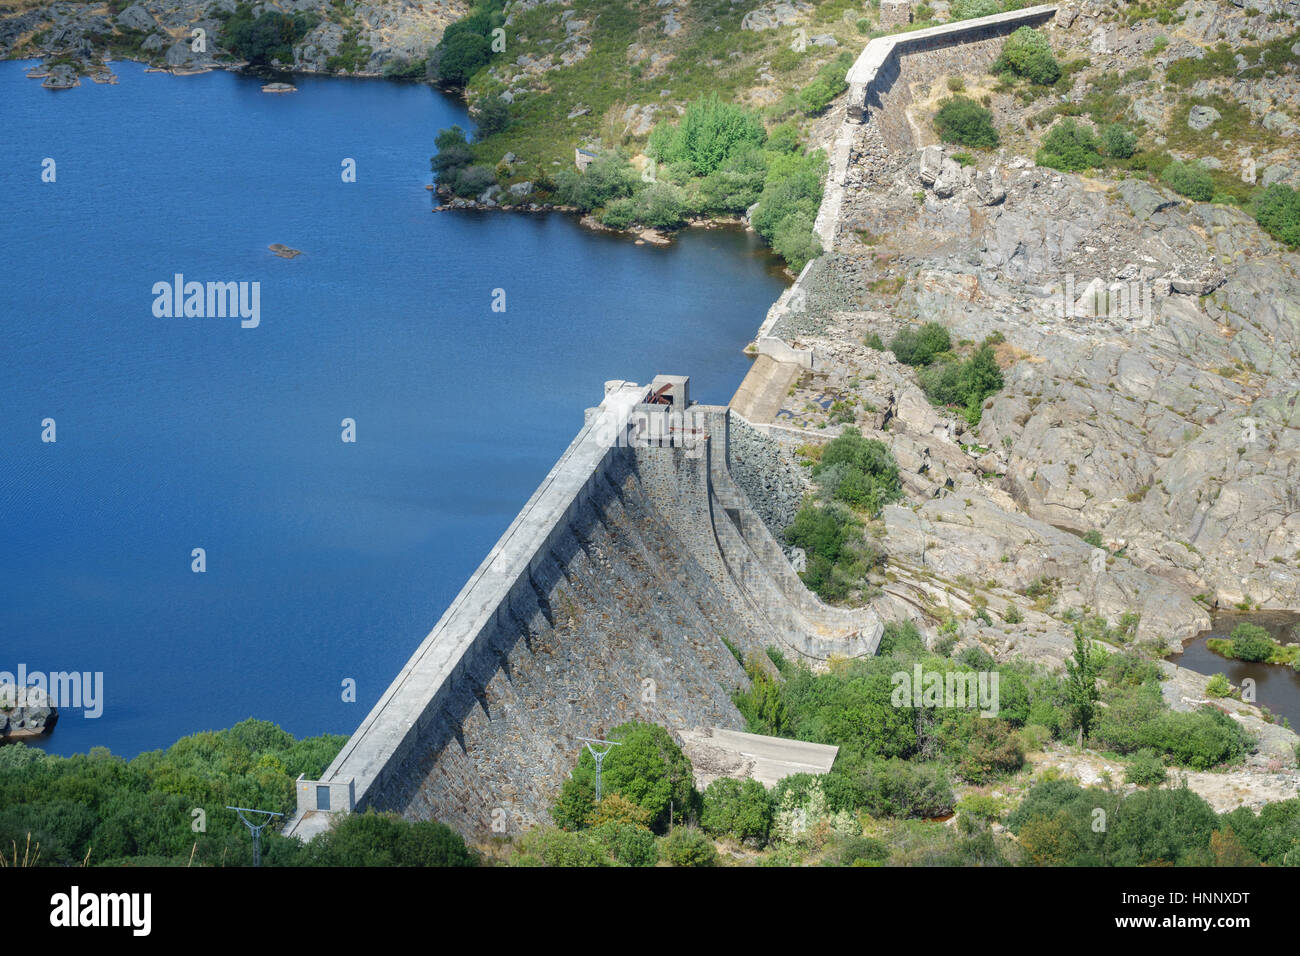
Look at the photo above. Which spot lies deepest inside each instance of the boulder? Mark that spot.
(136, 17)
(1201, 117)
(931, 164)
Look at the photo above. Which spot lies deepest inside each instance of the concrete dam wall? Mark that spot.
(611, 597)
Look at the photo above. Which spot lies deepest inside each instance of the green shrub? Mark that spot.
(373, 839)
(548, 846)
(1013, 615)
(735, 185)
(1189, 179)
(453, 157)
(1146, 769)
(965, 384)
(709, 132)
(491, 115)
(1277, 210)
(1250, 642)
(961, 120)
(1218, 686)
(1070, 147)
(920, 346)
(686, 846)
(1119, 142)
(970, 9)
(864, 472)
(266, 37)
(787, 207)
(1028, 53)
(629, 845)
(739, 809)
(609, 177)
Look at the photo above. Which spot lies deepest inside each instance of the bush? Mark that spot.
(454, 155)
(826, 85)
(491, 114)
(1250, 642)
(897, 788)
(1189, 179)
(920, 346)
(1070, 147)
(261, 39)
(686, 846)
(1028, 53)
(661, 205)
(1218, 686)
(1119, 142)
(1161, 826)
(372, 839)
(787, 206)
(547, 846)
(473, 180)
(629, 845)
(970, 9)
(709, 132)
(1146, 769)
(1277, 210)
(609, 177)
(869, 477)
(738, 809)
(735, 185)
(961, 120)
(964, 384)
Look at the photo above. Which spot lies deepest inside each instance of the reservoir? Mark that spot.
(325, 561)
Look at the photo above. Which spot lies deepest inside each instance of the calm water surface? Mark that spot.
(1276, 687)
(325, 561)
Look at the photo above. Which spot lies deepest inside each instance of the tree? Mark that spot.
(492, 114)
(648, 769)
(460, 55)
(961, 120)
(709, 132)
(739, 809)
(1081, 672)
(1120, 143)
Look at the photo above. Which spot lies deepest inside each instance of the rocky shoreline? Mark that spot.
(350, 37)
(27, 715)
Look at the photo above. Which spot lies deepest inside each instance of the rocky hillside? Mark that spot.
(1142, 460)
(334, 36)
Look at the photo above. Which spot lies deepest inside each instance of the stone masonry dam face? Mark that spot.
(612, 597)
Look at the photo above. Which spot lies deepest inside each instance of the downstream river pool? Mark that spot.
(325, 561)
(1276, 687)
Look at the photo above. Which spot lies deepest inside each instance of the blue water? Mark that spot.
(325, 561)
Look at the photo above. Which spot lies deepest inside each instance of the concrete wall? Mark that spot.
(609, 598)
(877, 66)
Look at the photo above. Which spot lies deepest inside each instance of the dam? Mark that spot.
(629, 587)
(640, 574)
